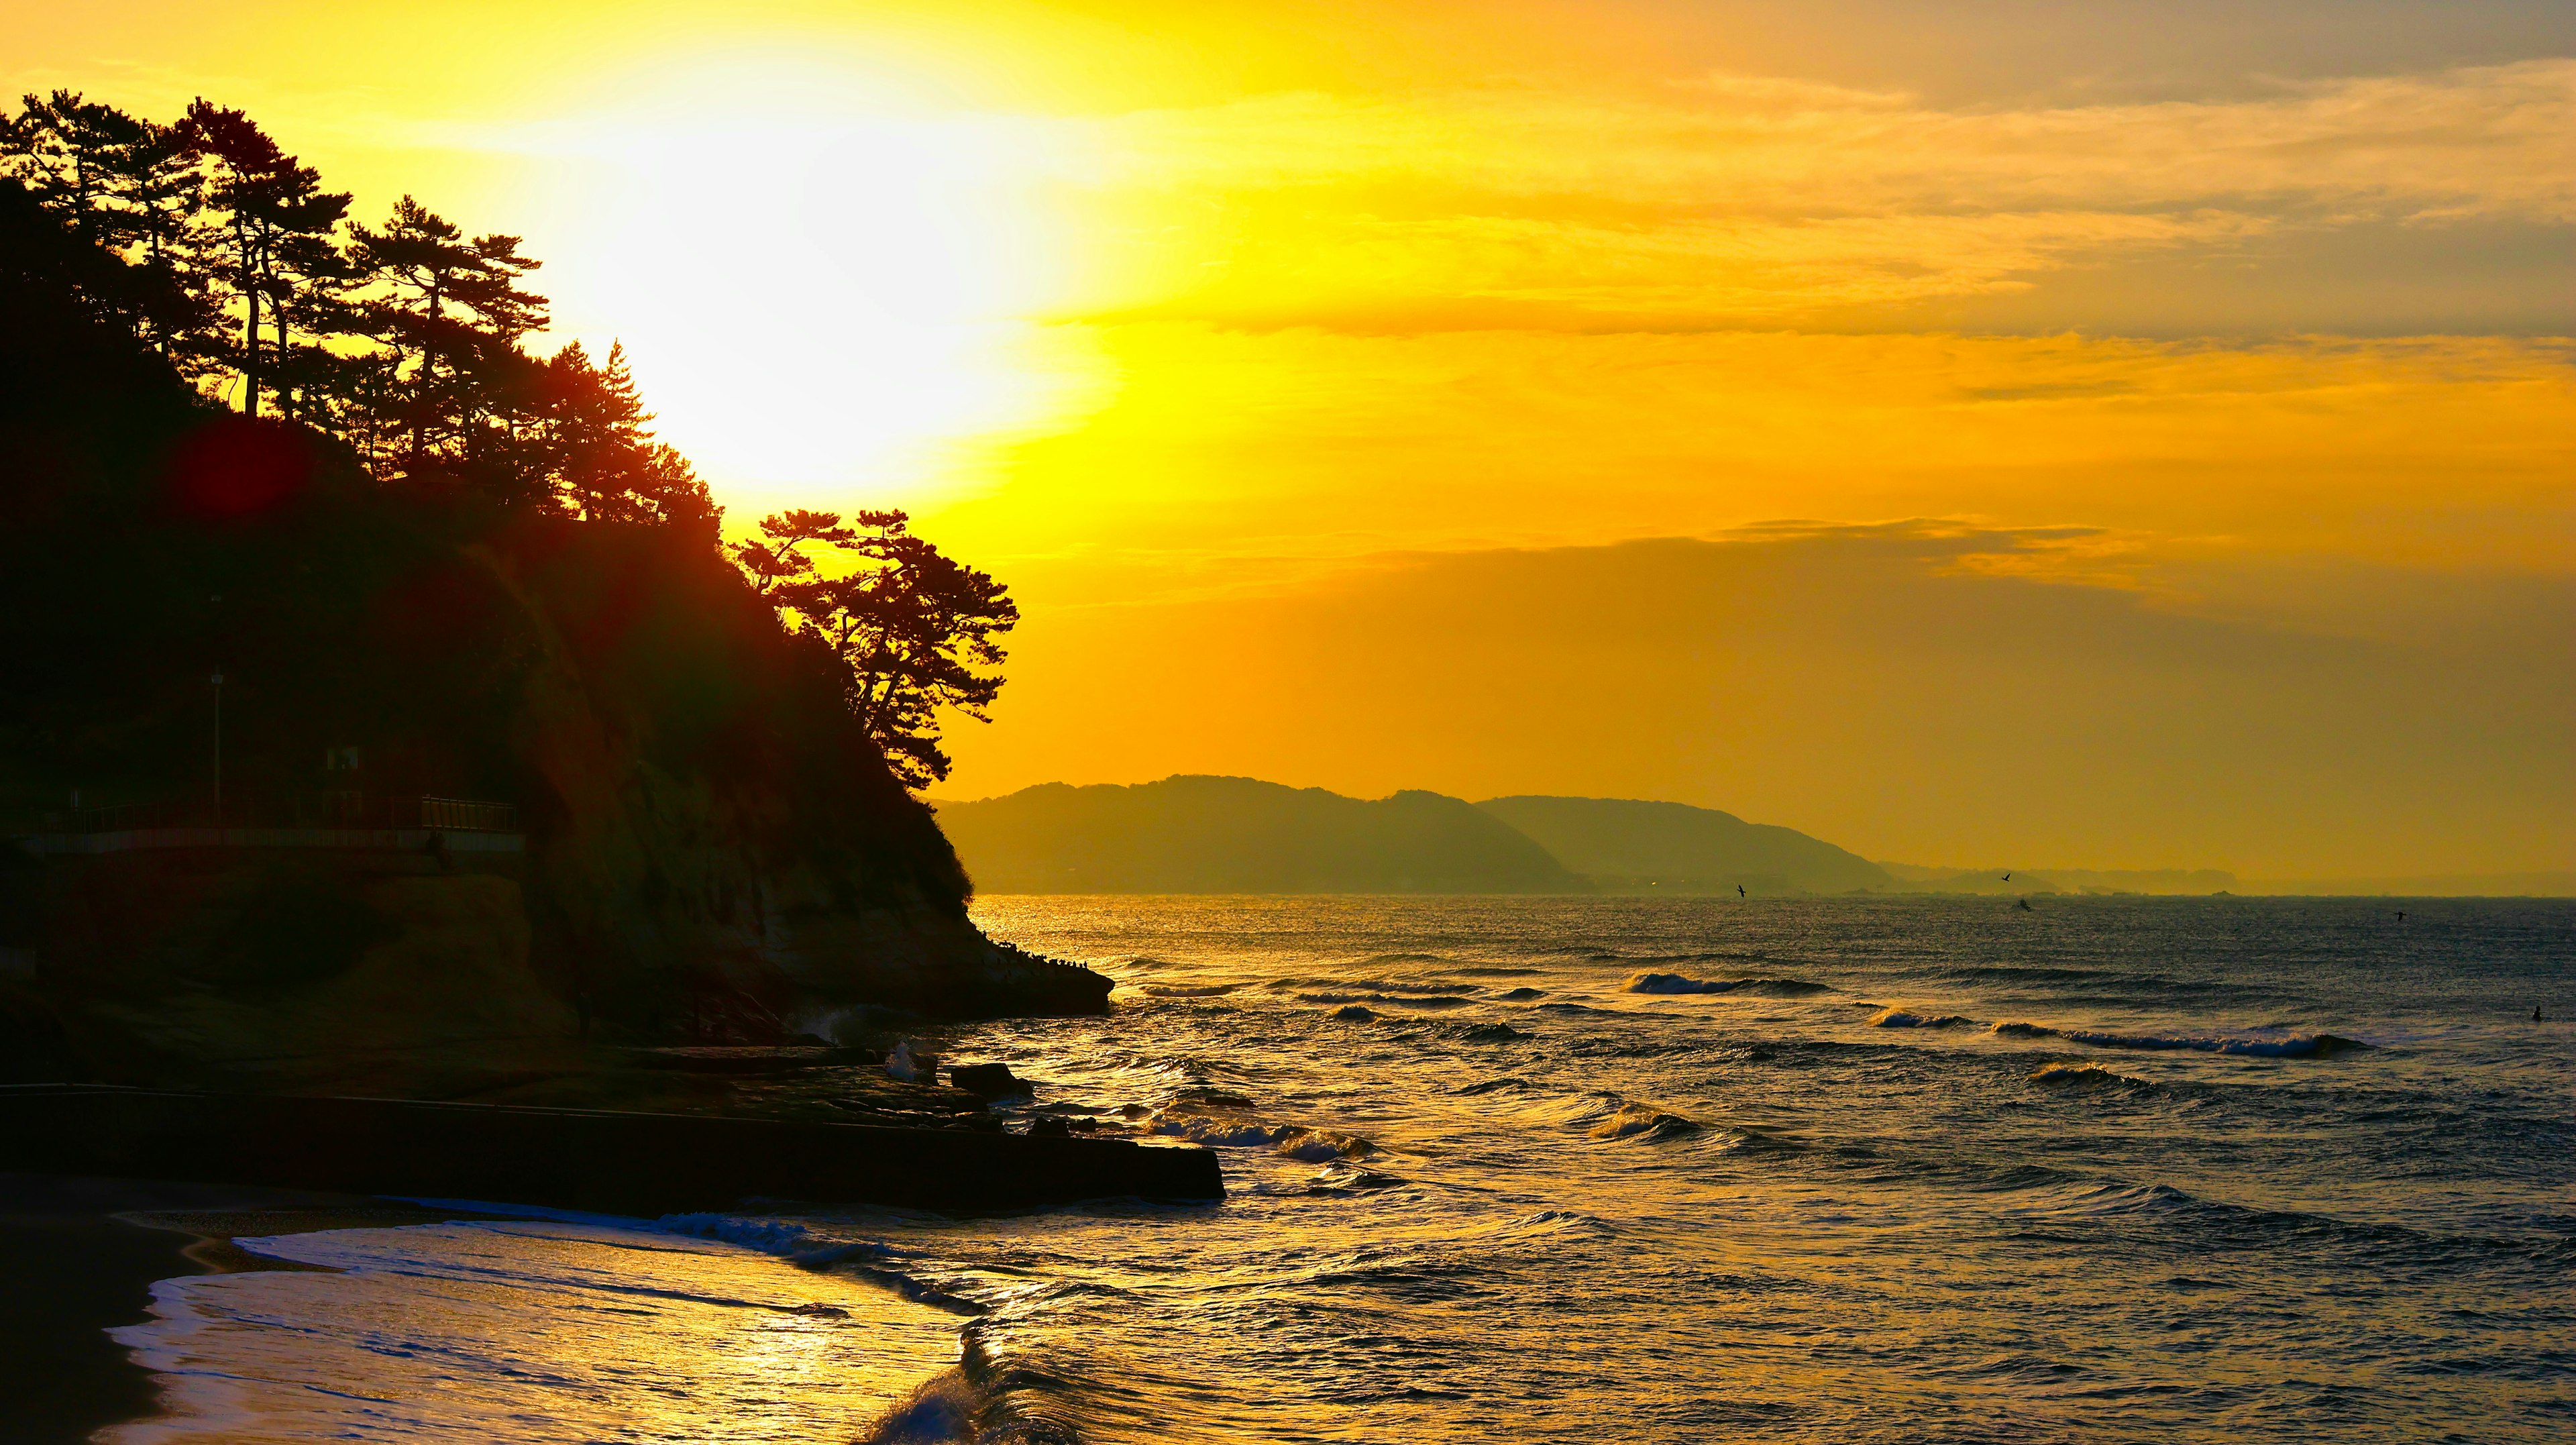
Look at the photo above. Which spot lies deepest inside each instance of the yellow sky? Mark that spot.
(1314, 371)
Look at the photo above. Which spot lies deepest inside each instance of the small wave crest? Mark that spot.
(1650, 982)
(2288, 1046)
(1294, 1141)
(1897, 1018)
(796, 1243)
(1402, 1000)
(2084, 1076)
(1190, 990)
(1337, 1177)
(1631, 1121)
(2295, 1046)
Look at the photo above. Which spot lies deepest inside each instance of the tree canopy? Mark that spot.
(909, 626)
(210, 247)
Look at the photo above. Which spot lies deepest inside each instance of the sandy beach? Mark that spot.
(84, 1254)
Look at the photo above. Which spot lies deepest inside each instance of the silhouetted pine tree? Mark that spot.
(208, 244)
(605, 465)
(275, 239)
(132, 188)
(910, 625)
(450, 312)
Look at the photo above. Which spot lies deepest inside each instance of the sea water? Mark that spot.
(1611, 1170)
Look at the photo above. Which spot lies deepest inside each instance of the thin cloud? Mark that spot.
(1761, 198)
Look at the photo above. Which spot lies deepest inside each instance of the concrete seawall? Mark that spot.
(597, 1160)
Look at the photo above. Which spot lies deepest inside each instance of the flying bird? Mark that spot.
(2007, 878)
(1739, 890)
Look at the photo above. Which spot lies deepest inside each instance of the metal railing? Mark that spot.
(464, 815)
(329, 810)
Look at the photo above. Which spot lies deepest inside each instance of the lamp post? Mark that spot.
(216, 602)
(219, 752)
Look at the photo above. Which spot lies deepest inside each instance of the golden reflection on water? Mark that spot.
(529, 1332)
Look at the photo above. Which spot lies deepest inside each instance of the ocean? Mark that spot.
(1597, 1169)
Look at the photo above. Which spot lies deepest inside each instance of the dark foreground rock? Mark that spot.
(599, 1160)
(988, 1081)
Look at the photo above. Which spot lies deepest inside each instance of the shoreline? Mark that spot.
(82, 1256)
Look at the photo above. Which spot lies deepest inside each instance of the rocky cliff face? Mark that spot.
(715, 852)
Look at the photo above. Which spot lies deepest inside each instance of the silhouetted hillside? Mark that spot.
(1192, 834)
(1676, 848)
(715, 848)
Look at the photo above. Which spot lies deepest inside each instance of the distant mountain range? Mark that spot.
(1196, 834)
(1199, 834)
(1629, 846)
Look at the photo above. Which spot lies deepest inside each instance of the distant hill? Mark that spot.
(1196, 834)
(1675, 848)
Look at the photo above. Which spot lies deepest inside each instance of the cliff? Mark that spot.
(713, 851)
(1190, 834)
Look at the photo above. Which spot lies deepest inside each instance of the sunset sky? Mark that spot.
(2107, 435)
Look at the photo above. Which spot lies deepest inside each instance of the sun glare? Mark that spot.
(819, 302)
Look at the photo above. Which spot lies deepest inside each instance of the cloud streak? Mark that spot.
(1766, 198)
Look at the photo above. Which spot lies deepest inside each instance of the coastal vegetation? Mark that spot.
(400, 354)
(295, 526)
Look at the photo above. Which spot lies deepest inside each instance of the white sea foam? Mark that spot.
(786, 1238)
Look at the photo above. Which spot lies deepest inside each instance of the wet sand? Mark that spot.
(81, 1258)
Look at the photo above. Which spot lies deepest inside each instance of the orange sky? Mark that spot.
(2119, 435)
